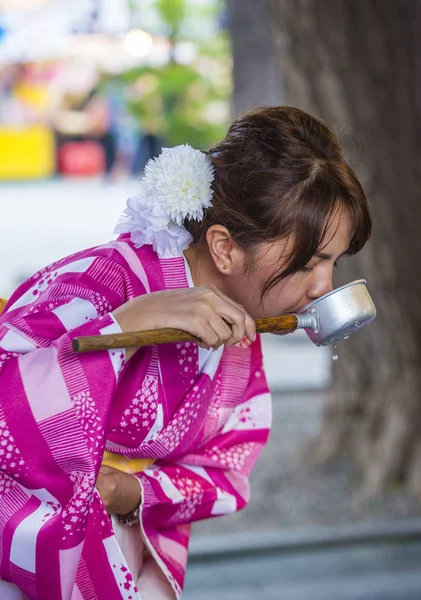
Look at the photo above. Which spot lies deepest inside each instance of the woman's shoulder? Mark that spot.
(117, 269)
(111, 266)
(118, 258)
(155, 272)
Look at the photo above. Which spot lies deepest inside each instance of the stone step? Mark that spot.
(386, 570)
(405, 586)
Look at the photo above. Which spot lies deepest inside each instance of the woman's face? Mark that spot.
(293, 293)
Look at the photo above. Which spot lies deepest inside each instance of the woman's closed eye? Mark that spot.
(309, 269)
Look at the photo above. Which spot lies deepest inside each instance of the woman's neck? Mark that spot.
(202, 267)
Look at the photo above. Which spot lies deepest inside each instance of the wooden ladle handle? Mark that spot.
(285, 323)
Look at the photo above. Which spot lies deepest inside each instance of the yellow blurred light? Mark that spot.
(138, 43)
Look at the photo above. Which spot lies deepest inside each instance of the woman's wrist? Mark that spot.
(120, 492)
(124, 320)
(137, 314)
(124, 317)
(130, 518)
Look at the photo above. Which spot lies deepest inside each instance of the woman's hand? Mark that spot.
(204, 312)
(120, 492)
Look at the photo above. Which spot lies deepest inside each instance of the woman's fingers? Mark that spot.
(237, 324)
(205, 312)
(243, 322)
(222, 330)
(207, 335)
(250, 324)
(228, 320)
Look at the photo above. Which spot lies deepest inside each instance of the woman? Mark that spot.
(253, 228)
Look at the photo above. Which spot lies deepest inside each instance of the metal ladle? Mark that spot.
(328, 319)
(338, 314)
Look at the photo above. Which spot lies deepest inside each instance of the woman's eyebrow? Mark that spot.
(325, 256)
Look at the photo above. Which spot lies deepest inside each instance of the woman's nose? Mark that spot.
(320, 286)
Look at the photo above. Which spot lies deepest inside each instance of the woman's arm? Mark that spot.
(204, 312)
(54, 412)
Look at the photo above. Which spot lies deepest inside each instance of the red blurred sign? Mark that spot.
(81, 158)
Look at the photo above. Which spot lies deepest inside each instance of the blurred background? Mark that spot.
(90, 90)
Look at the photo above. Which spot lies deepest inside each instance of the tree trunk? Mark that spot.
(256, 79)
(356, 63)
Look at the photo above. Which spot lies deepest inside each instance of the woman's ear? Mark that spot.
(227, 256)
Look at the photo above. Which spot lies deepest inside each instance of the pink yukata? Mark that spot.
(203, 416)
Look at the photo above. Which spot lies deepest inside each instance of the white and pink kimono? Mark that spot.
(202, 416)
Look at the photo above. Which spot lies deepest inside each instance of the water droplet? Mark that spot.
(346, 337)
(335, 357)
(357, 324)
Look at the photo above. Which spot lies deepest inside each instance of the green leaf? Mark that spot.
(172, 12)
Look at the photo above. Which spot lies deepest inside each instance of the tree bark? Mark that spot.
(356, 63)
(256, 78)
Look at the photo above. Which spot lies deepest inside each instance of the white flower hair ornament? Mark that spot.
(176, 185)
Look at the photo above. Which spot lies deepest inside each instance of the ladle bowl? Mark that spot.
(338, 314)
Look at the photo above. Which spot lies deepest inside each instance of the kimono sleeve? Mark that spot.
(54, 411)
(44, 384)
(214, 480)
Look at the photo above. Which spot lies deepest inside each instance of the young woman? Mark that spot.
(162, 436)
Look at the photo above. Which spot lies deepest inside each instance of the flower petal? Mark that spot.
(176, 185)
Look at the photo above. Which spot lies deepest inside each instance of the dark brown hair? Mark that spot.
(280, 172)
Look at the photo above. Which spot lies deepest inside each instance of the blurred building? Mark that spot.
(54, 57)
